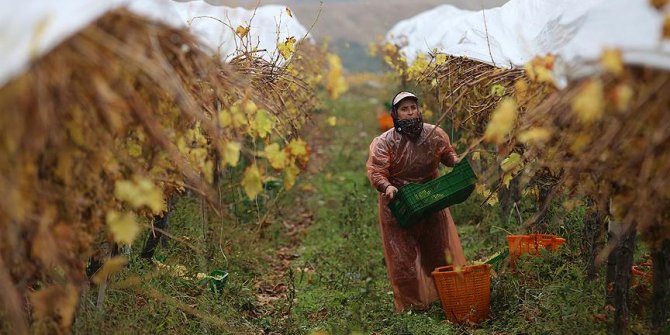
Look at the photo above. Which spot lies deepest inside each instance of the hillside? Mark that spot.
(360, 21)
(351, 25)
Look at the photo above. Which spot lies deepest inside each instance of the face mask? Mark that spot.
(410, 127)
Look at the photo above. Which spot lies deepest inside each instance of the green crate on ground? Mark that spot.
(414, 200)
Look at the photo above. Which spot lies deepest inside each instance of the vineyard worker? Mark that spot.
(402, 155)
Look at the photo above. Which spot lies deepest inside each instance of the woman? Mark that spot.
(402, 155)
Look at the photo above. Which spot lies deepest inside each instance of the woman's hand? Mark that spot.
(454, 160)
(390, 191)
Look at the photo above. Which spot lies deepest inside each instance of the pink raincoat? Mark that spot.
(412, 254)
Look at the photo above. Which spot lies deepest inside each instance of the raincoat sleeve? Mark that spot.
(379, 162)
(446, 152)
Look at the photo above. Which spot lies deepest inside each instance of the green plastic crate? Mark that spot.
(413, 201)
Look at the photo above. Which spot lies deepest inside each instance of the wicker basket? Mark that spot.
(465, 294)
(415, 200)
(532, 244)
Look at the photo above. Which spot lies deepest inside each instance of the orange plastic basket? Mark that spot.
(465, 294)
(643, 272)
(532, 244)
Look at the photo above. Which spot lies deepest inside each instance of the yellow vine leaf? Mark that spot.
(520, 90)
(418, 67)
(208, 170)
(440, 59)
(492, 200)
(297, 148)
(250, 107)
(612, 62)
(535, 136)
(498, 90)
(332, 121)
(476, 156)
(482, 190)
(231, 153)
(182, 146)
(335, 82)
(134, 149)
(123, 226)
(507, 179)
(140, 192)
(390, 48)
(287, 48)
(589, 103)
(252, 181)
(373, 49)
(238, 117)
(263, 123)
(225, 118)
(580, 142)
(540, 69)
(242, 31)
(512, 163)
(111, 266)
(290, 174)
(196, 136)
(275, 156)
(502, 121)
(622, 96)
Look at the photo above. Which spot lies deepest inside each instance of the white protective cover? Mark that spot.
(31, 28)
(509, 36)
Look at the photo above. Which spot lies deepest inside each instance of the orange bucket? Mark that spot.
(643, 271)
(465, 295)
(532, 244)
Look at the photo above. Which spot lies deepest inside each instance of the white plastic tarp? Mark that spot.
(510, 36)
(33, 27)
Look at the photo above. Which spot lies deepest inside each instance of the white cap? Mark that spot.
(403, 95)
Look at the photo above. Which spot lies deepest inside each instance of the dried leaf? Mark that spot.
(589, 103)
(55, 303)
(287, 48)
(297, 148)
(580, 142)
(290, 174)
(622, 96)
(141, 192)
(252, 181)
(512, 163)
(263, 123)
(276, 156)
(113, 265)
(225, 118)
(123, 226)
(231, 153)
(502, 121)
(534, 136)
(612, 62)
(242, 31)
(498, 90)
(507, 179)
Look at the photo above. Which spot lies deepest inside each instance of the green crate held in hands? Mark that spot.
(414, 200)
